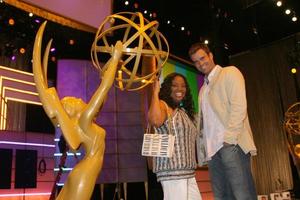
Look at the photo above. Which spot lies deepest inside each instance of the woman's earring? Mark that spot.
(181, 104)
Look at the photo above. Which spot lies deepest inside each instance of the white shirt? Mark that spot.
(213, 129)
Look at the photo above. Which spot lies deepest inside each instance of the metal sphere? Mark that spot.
(140, 38)
(292, 119)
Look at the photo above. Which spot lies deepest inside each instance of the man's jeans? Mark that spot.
(230, 174)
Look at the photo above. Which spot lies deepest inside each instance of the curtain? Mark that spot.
(271, 89)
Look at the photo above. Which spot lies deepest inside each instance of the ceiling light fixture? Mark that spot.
(11, 21)
(279, 3)
(294, 18)
(22, 50)
(287, 11)
(71, 42)
(294, 70)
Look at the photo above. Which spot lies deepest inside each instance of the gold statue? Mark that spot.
(76, 118)
(292, 127)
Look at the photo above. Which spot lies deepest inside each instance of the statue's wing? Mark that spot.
(49, 96)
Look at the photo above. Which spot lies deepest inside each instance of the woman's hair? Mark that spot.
(165, 95)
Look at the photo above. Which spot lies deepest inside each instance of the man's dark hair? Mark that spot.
(195, 47)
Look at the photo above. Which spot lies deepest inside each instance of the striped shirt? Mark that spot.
(182, 164)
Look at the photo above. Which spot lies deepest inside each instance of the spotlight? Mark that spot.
(11, 21)
(226, 46)
(30, 14)
(255, 30)
(71, 42)
(287, 11)
(294, 70)
(13, 58)
(206, 41)
(182, 28)
(52, 49)
(1, 1)
(279, 3)
(53, 58)
(145, 12)
(37, 21)
(126, 3)
(168, 22)
(22, 50)
(294, 18)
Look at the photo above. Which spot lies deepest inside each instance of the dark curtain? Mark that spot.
(271, 89)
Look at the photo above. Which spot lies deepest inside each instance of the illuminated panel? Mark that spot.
(26, 194)
(27, 144)
(15, 85)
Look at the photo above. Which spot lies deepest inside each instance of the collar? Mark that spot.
(213, 73)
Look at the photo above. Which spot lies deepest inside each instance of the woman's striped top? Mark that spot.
(182, 164)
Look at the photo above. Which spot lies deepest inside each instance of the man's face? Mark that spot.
(203, 62)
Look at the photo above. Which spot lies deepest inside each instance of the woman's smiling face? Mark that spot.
(178, 89)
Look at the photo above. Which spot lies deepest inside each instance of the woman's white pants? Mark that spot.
(183, 189)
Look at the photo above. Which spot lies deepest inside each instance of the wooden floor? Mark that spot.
(203, 180)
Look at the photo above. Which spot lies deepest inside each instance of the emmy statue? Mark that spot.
(125, 38)
(292, 128)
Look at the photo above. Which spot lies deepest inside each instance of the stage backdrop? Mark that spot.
(121, 116)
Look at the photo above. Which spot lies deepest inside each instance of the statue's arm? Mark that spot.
(100, 94)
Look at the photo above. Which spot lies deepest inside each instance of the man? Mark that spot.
(225, 130)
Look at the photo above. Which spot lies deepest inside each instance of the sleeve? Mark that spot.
(236, 93)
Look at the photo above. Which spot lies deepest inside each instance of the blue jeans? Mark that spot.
(230, 174)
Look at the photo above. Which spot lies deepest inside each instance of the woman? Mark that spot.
(174, 102)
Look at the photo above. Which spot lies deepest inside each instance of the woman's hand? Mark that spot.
(156, 87)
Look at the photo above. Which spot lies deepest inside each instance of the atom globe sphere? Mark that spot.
(139, 38)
